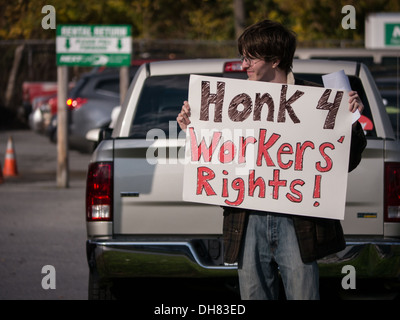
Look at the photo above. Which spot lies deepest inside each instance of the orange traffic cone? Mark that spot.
(10, 163)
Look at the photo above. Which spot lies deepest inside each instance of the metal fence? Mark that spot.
(35, 60)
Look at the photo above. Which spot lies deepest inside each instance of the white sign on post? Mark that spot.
(269, 147)
(94, 45)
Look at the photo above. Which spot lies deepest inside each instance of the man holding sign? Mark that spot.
(262, 229)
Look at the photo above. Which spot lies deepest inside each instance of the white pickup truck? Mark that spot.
(138, 227)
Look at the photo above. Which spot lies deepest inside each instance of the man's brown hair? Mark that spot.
(270, 41)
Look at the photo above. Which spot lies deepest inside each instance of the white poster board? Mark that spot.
(269, 147)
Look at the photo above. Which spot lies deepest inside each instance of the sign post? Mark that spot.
(62, 128)
(88, 46)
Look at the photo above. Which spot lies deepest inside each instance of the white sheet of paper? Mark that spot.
(339, 80)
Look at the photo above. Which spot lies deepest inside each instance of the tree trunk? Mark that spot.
(240, 16)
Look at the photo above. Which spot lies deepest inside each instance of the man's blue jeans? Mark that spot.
(270, 246)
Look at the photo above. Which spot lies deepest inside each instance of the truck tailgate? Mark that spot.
(148, 197)
(364, 201)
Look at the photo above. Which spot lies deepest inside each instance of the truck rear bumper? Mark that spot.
(377, 258)
(371, 258)
(154, 259)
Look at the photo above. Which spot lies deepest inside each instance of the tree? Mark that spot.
(191, 19)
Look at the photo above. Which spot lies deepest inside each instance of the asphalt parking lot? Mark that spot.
(41, 224)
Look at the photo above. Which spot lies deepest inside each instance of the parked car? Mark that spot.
(90, 104)
(40, 117)
(139, 228)
(32, 90)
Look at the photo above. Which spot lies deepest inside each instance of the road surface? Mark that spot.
(41, 224)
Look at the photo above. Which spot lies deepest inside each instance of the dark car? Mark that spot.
(90, 104)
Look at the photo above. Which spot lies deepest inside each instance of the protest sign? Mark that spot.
(266, 146)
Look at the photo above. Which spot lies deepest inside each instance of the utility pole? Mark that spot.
(123, 82)
(62, 128)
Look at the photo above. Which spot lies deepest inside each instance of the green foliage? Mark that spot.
(189, 19)
(318, 19)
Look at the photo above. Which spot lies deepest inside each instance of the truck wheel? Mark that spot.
(97, 290)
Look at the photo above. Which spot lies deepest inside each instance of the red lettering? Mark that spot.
(300, 149)
(285, 148)
(225, 192)
(276, 183)
(317, 187)
(259, 182)
(297, 193)
(328, 160)
(238, 185)
(205, 174)
(227, 152)
(263, 148)
(242, 147)
(202, 150)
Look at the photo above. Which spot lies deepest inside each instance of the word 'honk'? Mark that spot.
(240, 114)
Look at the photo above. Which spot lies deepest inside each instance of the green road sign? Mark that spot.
(94, 45)
(392, 34)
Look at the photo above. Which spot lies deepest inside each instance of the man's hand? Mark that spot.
(183, 116)
(355, 102)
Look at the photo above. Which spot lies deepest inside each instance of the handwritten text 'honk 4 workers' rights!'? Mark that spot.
(269, 147)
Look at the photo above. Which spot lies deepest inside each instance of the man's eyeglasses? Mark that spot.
(249, 61)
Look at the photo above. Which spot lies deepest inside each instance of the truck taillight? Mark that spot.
(392, 192)
(233, 66)
(99, 192)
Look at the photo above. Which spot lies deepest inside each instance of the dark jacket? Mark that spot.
(317, 237)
